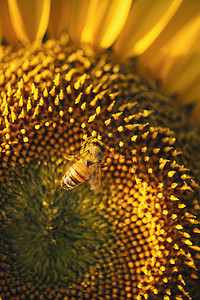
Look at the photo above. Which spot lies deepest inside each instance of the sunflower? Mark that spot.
(125, 74)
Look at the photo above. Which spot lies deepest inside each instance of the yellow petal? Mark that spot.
(77, 18)
(183, 41)
(29, 18)
(114, 21)
(105, 20)
(155, 56)
(145, 22)
(93, 17)
(183, 76)
(187, 82)
(59, 17)
(179, 49)
(6, 27)
(178, 61)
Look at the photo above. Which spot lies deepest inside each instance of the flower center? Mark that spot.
(49, 232)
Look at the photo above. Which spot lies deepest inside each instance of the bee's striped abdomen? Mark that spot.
(73, 177)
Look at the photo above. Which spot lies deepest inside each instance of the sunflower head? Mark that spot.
(135, 235)
(130, 230)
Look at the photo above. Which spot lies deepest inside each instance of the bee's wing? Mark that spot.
(95, 179)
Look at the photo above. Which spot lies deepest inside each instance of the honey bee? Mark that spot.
(86, 166)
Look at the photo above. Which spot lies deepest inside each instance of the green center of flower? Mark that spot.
(49, 232)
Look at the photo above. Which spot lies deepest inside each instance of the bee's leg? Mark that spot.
(70, 157)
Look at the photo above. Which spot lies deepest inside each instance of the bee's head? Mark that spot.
(95, 147)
